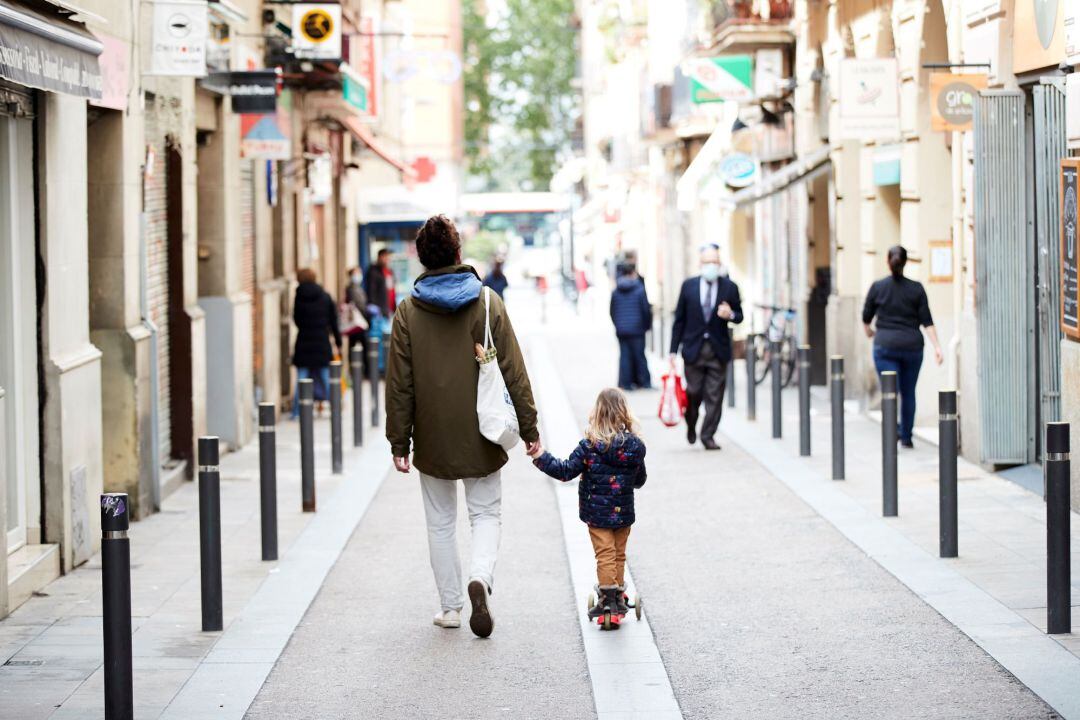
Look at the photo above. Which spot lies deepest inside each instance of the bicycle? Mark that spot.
(779, 328)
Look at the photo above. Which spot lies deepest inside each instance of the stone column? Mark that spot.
(72, 428)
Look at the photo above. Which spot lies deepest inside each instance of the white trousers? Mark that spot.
(483, 496)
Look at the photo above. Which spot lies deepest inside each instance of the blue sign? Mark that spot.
(739, 170)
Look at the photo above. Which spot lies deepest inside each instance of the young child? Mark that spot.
(611, 463)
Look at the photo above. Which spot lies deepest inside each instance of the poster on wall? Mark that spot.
(869, 97)
(1038, 34)
(952, 100)
(1070, 298)
(179, 38)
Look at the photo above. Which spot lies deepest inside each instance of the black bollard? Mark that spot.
(777, 388)
(373, 376)
(731, 370)
(116, 606)
(751, 383)
(356, 367)
(947, 448)
(888, 444)
(307, 445)
(804, 400)
(268, 480)
(837, 388)
(1058, 612)
(210, 533)
(335, 417)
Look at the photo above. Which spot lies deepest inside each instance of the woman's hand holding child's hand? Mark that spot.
(534, 449)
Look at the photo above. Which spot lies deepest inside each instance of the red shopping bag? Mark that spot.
(672, 399)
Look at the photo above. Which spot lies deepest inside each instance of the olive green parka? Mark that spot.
(431, 376)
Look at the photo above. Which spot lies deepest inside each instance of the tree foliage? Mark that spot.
(520, 105)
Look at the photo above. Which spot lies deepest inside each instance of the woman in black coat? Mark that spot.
(316, 318)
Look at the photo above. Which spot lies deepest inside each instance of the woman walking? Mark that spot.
(431, 380)
(901, 307)
(316, 318)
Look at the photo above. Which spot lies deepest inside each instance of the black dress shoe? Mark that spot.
(691, 434)
(710, 444)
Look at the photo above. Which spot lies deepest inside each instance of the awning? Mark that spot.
(686, 188)
(363, 133)
(47, 51)
(801, 170)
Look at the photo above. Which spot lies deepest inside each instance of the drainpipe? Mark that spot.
(144, 314)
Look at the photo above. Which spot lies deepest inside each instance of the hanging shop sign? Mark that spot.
(268, 136)
(952, 103)
(1070, 263)
(886, 165)
(59, 57)
(361, 75)
(1038, 34)
(316, 31)
(179, 38)
(252, 91)
(738, 170)
(869, 96)
(727, 77)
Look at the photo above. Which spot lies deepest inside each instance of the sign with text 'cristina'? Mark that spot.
(179, 38)
(869, 96)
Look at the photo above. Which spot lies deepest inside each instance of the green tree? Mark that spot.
(520, 104)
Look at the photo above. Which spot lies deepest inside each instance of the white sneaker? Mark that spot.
(448, 619)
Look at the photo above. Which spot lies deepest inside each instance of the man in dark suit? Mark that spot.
(707, 303)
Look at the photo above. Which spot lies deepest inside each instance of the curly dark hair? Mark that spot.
(438, 243)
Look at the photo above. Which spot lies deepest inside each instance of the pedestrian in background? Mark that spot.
(632, 316)
(900, 306)
(611, 463)
(379, 285)
(707, 303)
(431, 389)
(316, 318)
(352, 321)
(496, 278)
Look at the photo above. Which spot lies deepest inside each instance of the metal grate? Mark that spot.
(1001, 289)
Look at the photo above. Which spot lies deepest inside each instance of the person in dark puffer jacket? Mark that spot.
(611, 463)
(631, 315)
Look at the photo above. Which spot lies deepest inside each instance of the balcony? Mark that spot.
(753, 25)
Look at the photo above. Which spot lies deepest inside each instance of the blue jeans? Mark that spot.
(321, 388)
(633, 367)
(906, 364)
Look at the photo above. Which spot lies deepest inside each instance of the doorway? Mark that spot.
(18, 332)
(181, 394)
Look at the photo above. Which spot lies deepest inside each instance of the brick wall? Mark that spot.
(154, 205)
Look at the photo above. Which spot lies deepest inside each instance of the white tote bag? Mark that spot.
(494, 408)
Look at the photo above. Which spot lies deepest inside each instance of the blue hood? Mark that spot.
(451, 291)
(626, 283)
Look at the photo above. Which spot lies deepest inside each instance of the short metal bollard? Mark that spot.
(777, 388)
(210, 533)
(1058, 581)
(307, 445)
(836, 385)
(804, 400)
(888, 444)
(335, 417)
(268, 480)
(356, 368)
(947, 450)
(731, 370)
(116, 606)
(751, 383)
(373, 377)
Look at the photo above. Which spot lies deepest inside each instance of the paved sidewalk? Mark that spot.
(51, 647)
(759, 606)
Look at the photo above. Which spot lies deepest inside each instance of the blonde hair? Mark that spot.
(610, 417)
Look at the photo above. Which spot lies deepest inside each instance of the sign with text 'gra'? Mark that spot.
(952, 100)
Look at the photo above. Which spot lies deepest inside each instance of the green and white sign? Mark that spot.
(728, 77)
(355, 94)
